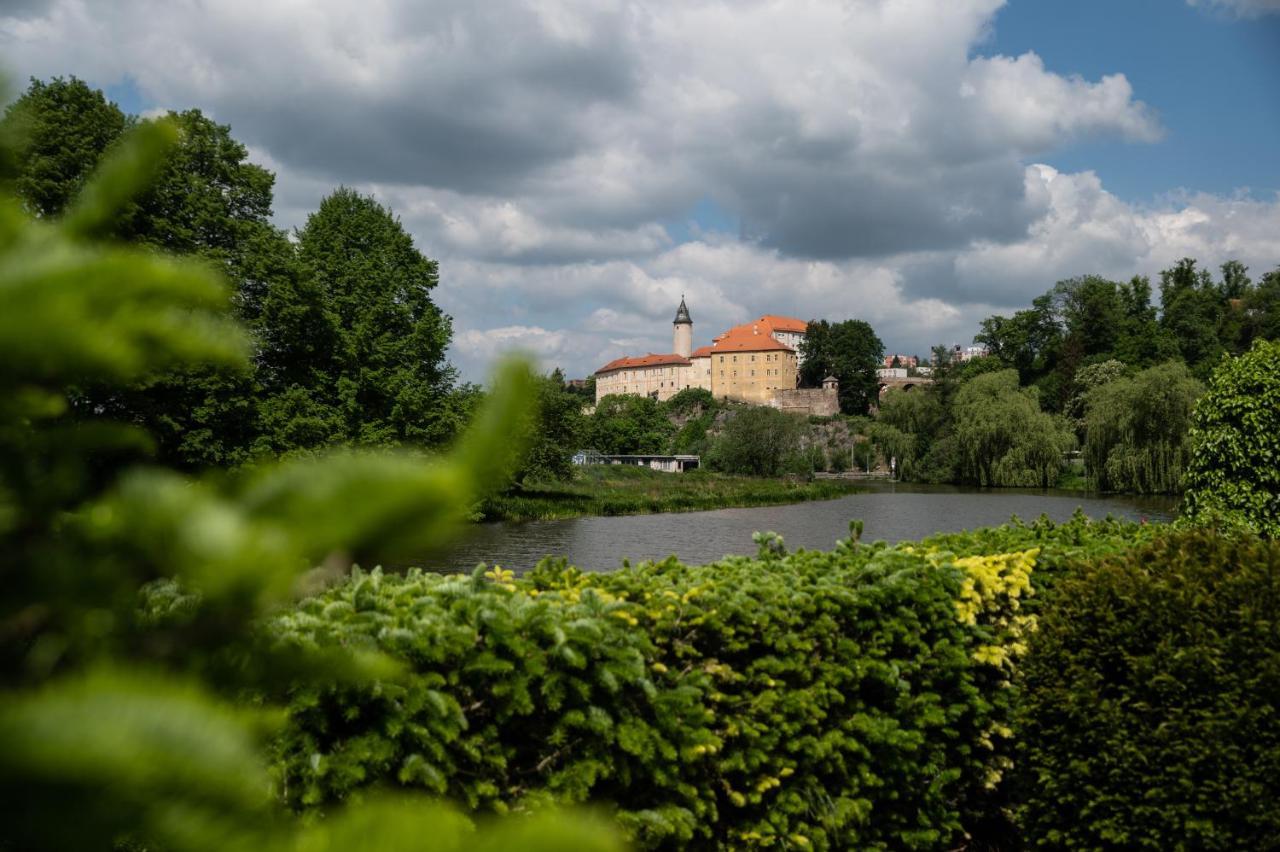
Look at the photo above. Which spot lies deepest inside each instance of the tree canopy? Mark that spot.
(1136, 429)
(1003, 436)
(64, 127)
(348, 346)
(848, 350)
(384, 373)
(1234, 473)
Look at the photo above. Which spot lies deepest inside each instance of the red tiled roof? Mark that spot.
(649, 360)
(750, 337)
(777, 323)
(702, 352)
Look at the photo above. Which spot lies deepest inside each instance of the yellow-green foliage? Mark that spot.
(129, 595)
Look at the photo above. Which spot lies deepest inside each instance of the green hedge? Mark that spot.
(852, 699)
(1151, 697)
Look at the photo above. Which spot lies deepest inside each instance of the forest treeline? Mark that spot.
(1093, 365)
(348, 347)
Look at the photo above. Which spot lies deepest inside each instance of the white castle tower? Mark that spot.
(682, 331)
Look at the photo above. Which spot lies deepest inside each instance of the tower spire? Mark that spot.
(682, 313)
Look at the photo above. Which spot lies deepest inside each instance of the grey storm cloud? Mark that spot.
(24, 9)
(840, 150)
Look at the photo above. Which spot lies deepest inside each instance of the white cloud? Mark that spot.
(569, 129)
(872, 164)
(1087, 230)
(1241, 8)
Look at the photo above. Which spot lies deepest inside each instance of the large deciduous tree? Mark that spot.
(848, 350)
(384, 371)
(1234, 473)
(557, 431)
(1003, 437)
(1136, 429)
(210, 202)
(64, 127)
(1189, 309)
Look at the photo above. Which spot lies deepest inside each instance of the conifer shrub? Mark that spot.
(1148, 719)
(857, 698)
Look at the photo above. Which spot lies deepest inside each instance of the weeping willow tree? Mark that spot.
(130, 595)
(1002, 436)
(906, 428)
(1136, 430)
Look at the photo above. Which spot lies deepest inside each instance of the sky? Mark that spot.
(576, 166)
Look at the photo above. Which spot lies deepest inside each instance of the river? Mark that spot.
(889, 511)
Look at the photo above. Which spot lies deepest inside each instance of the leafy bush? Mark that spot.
(759, 441)
(1234, 475)
(1149, 719)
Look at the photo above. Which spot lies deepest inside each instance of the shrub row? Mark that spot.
(1150, 716)
(856, 698)
(869, 697)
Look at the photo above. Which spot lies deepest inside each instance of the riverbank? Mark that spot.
(618, 490)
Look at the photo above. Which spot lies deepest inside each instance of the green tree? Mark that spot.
(1087, 379)
(758, 441)
(1092, 313)
(1003, 437)
(64, 127)
(907, 425)
(1189, 310)
(208, 201)
(1029, 341)
(1142, 342)
(386, 374)
(1234, 474)
(557, 430)
(1262, 310)
(1136, 430)
(629, 425)
(848, 350)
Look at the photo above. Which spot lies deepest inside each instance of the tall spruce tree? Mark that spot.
(382, 377)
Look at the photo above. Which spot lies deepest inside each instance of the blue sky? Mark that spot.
(1213, 77)
(578, 165)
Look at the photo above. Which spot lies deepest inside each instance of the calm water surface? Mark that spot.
(893, 512)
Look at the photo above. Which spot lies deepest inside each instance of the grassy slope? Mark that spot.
(618, 490)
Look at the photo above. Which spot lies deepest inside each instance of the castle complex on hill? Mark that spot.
(756, 362)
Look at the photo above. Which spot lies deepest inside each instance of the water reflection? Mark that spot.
(893, 512)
